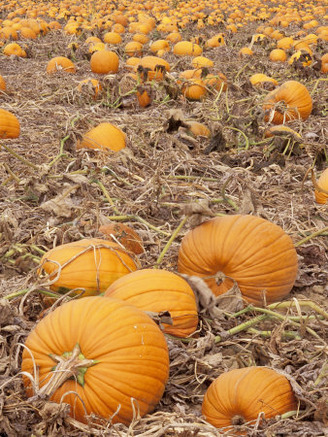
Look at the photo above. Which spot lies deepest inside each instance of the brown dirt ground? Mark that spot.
(164, 174)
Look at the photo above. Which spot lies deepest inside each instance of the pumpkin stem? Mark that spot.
(71, 365)
(238, 420)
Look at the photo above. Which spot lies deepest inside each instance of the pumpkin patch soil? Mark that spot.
(51, 193)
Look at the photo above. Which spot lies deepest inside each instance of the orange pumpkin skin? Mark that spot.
(91, 264)
(130, 353)
(60, 63)
(9, 125)
(104, 136)
(104, 62)
(240, 395)
(157, 291)
(250, 250)
(295, 98)
(322, 183)
(125, 235)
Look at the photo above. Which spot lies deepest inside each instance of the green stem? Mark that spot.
(122, 218)
(60, 154)
(242, 133)
(309, 237)
(106, 194)
(26, 290)
(171, 239)
(16, 155)
(242, 327)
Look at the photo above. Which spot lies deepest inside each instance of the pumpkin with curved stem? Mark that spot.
(88, 264)
(249, 250)
(99, 355)
(104, 136)
(9, 125)
(289, 101)
(240, 395)
(157, 291)
(60, 63)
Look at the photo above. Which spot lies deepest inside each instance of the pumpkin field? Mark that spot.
(163, 218)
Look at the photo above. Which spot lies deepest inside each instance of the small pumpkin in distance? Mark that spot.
(288, 102)
(123, 234)
(240, 395)
(103, 136)
(91, 264)
(105, 357)
(158, 290)
(187, 48)
(9, 125)
(60, 63)
(255, 253)
(3, 85)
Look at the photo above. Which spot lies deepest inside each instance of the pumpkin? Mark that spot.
(282, 131)
(289, 101)
(14, 49)
(240, 395)
(321, 188)
(9, 125)
(194, 89)
(104, 62)
(124, 235)
(115, 359)
(91, 264)
(103, 136)
(160, 44)
(278, 55)
(157, 291)
(255, 253)
(259, 79)
(187, 48)
(144, 96)
(112, 38)
(324, 63)
(202, 61)
(198, 129)
(60, 63)
(133, 48)
(3, 85)
(245, 52)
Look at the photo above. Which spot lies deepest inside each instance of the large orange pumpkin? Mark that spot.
(115, 359)
(89, 264)
(250, 250)
(123, 234)
(104, 62)
(240, 395)
(289, 101)
(159, 291)
(60, 63)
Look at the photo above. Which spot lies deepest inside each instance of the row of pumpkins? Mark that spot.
(102, 353)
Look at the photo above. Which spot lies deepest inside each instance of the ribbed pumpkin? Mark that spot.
(289, 101)
(321, 189)
(90, 264)
(125, 235)
(9, 125)
(240, 395)
(115, 359)
(103, 136)
(158, 290)
(60, 63)
(250, 250)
